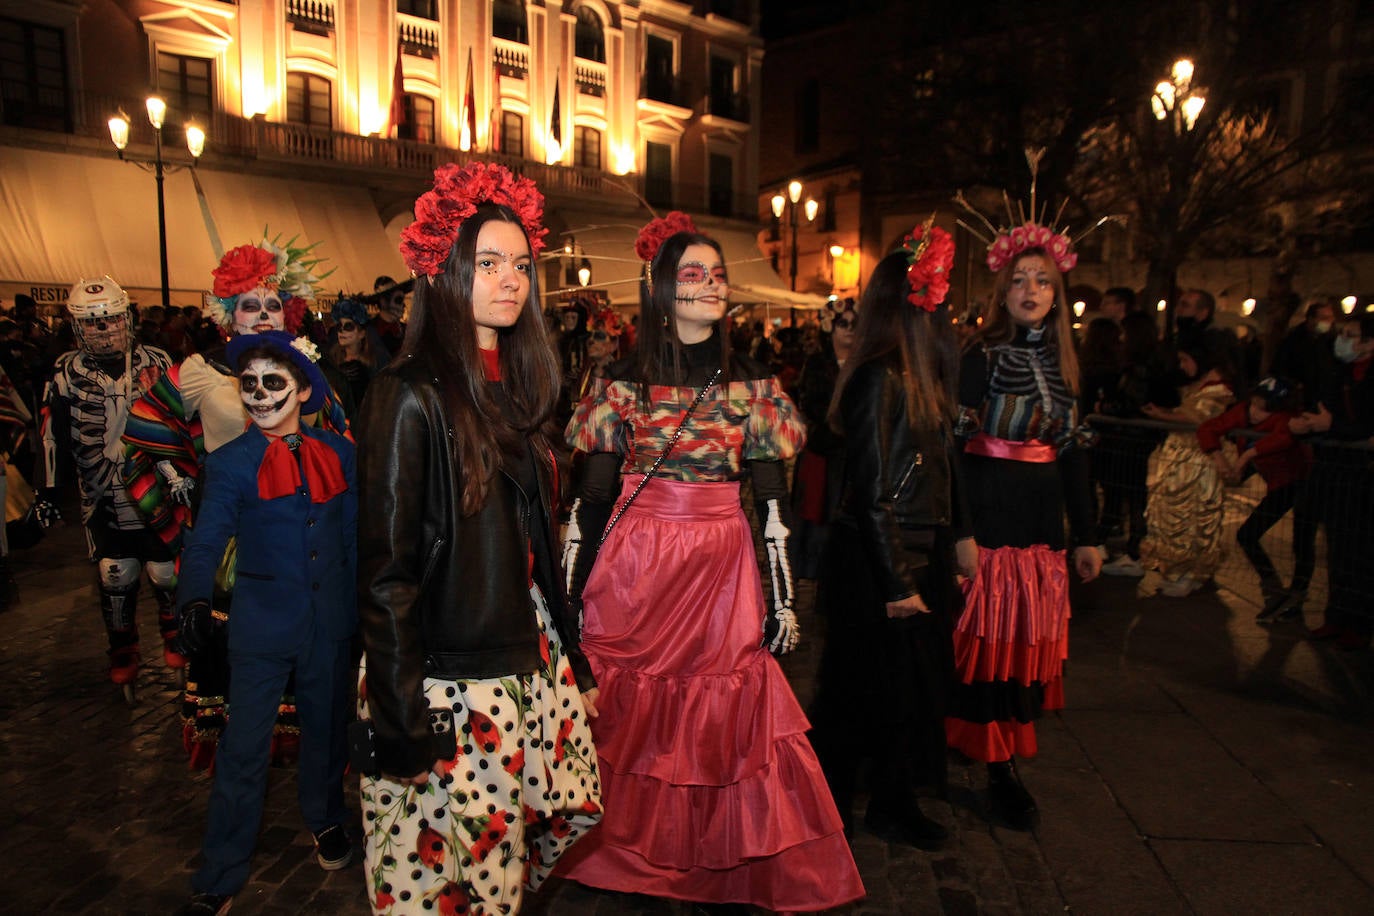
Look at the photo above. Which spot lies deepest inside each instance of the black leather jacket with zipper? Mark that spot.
(442, 594)
(902, 484)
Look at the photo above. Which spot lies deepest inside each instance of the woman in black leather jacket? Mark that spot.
(887, 583)
(472, 673)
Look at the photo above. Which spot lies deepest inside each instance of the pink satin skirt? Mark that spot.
(710, 788)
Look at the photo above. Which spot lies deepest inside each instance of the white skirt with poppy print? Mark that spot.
(521, 790)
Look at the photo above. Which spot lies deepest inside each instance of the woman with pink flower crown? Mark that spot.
(1025, 464)
(712, 792)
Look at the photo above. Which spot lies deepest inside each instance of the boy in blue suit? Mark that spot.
(287, 492)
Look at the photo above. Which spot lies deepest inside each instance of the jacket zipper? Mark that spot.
(910, 469)
(430, 562)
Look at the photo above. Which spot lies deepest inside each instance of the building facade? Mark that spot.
(326, 118)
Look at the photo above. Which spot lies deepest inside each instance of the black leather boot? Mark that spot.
(1009, 799)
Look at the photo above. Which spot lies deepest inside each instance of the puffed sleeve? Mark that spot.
(774, 429)
(598, 422)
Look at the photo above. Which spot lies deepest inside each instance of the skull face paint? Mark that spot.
(257, 310)
(271, 396)
(107, 335)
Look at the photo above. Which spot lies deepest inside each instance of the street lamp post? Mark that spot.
(195, 144)
(1178, 101)
(780, 202)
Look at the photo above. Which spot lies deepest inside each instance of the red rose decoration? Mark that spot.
(242, 269)
(457, 192)
(930, 253)
(658, 231)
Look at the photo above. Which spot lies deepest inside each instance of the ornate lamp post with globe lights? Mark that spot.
(790, 203)
(195, 144)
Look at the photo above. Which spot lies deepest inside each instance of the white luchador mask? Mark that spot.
(257, 310)
(270, 393)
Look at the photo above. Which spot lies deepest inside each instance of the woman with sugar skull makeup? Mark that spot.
(85, 407)
(192, 411)
(713, 793)
(473, 681)
(286, 491)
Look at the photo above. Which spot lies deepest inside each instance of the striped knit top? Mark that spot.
(1016, 391)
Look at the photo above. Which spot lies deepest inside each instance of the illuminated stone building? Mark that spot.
(326, 118)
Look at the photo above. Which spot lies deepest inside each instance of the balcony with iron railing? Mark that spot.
(668, 90)
(731, 105)
(238, 143)
(418, 35)
(313, 16)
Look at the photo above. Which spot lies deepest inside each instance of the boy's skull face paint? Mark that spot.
(269, 393)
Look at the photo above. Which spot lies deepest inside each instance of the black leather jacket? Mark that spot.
(440, 594)
(900, 483)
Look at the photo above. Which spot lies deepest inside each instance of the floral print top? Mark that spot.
(746, 420)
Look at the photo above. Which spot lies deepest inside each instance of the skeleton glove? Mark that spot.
(179, 487)
(780, 629)
(45, 511)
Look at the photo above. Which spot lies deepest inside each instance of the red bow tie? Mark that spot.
(280, 472)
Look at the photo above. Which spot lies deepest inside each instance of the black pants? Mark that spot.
(1343, 497)
(1267, 514)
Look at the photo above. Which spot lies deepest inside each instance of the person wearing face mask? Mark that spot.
(193, 410)
(712, 791)
(1341, 488)
(1305, 353)
(85, 408)
(1026, 462)
(286, 492)
(817, 478)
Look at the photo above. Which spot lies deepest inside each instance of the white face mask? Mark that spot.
(1323, 327)
(1346, 349)
(269, 394)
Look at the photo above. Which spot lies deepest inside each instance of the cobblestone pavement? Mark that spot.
(1204, 765)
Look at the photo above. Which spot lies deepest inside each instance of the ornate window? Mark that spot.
(33, 76)
(419, 119)
(589, 38)
(587, 147)
(309, 100)
(513, 134)
(508, 21)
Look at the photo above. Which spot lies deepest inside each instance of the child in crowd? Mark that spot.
(1260, 428)
(287, 491)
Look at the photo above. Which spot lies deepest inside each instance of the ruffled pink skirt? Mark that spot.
(710, 788)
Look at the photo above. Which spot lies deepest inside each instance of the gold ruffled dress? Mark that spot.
(1183, 513)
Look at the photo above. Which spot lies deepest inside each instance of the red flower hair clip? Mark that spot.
(609, 321)
(458, 191)
(658, 231)
(929, 257)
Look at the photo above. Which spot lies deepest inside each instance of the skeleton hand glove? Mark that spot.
(179, 488)
(45, 511)
(780, 629)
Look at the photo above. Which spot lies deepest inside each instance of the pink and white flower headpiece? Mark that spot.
(1022, 232)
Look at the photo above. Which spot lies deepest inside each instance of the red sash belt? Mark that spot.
(992, 447)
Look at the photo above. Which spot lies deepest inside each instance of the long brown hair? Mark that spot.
(998, 328)
(923, 341)
(443, 332)
(658, 349)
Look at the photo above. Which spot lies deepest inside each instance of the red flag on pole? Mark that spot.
(494, 138)
(469, 112)
(396, 116)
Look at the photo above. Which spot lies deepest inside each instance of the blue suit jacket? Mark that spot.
(297, 560)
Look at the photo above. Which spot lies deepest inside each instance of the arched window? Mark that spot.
(309, 100)
(589, 40)
(587, 147)
(508, 21)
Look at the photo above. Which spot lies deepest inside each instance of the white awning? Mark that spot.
(608, 245)
(70, 216)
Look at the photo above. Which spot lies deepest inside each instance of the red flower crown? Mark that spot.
(929, 257)
(458, 191)
(658, 231)
(1022, 232)
(610, 322)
